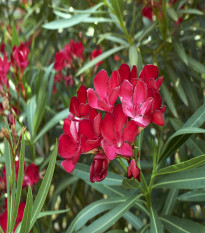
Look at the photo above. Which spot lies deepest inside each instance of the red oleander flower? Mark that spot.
(96, 53)
(117, 134)
(78, 105)
(126, 74)
(19, 57)
(4, 68)
(77, 49)
(106, 91)
(79, 137)
(141, 100)
(133, 171)
(99, 167)
(3, 217)
(59, 61)
(32, 174)
(147, 13)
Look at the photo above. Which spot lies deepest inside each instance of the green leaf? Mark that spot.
(100, 58)
(133, 55)
(83, 171)
(179, 49)
(15, 38)
(84, 11)
(191, 12)
(107, 220)
(19, 181)
(193, 196)
(66, 23)
(117, 7)
(141, 34)
(93, 210)
(98, 20)
(172, 14)
(44, 188)
(155, 224)
(130, 184)
(179, 225)
(133, 219)
(143, 229)
(168, 99)
(8, 162)
(50, 124)
(170, 201)
(177, 139)
(27, 213)
(110, 37)
(30, 113)
(52, 212)
(195, 65)
(192, 179)
(2, 159)
(183, 166)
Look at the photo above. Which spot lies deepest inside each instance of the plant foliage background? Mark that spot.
(171, 194)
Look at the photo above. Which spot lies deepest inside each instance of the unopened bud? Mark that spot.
(5, 103)
(13, 130)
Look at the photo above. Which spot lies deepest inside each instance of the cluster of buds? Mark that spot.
(68, 60)
(98, 125)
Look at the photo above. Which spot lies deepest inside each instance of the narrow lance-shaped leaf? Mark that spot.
(183, 166)
(107, 220)
(155, 224)
(179, 225)
(27, 212)
(179, 49)
(44, 188)
(93, 210)
(19, 181)
(170, 201)
(193, 196)
(66, 23)
(177, 139)
(183, 180)
(172, 13)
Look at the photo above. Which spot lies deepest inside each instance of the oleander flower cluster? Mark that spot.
(68, 60)
(106, 120)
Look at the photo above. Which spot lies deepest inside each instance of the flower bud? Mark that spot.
(99, 167)
(133, 171)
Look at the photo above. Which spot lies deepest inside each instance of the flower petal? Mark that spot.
(110, 150)
(114, 95)
(107, 127)
(130, 131)
(68, 165)
(101, 82)
(114, 82)
(82, 94)
(74, 106)
(124, 71)
(157, 118)
(126, 92)
(140, 93)
(92, 99)
(120, 119)
(149, 71)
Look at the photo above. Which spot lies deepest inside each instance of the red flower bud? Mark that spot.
(98, 169)
(133, 171)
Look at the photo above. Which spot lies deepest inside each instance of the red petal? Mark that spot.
(85, 128)
(146, 106)
(157, 101)
(142, 121)
(109, 150)
(114, 82)
(130, 132)
(84, 109)
(114, 96)
(149, 71)
(97, 122)
(92, 98)
(124, 71)
(107, 127)
(101, 82)
(74, 106)
(67, 147)
(159, 82)
(68, 165)
(140, 93)
(125, 150)
(104, 106)
(126, 92)
(133, 73)
(157, 118)
(119, 119)
(82, 94)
